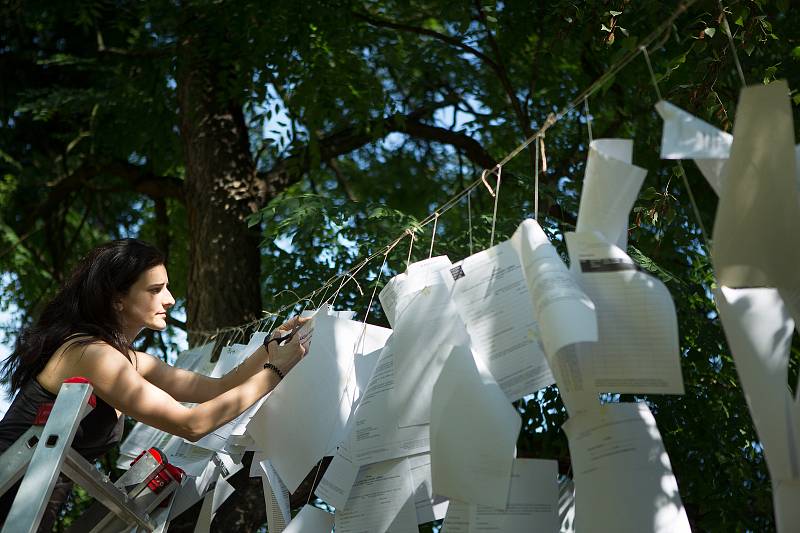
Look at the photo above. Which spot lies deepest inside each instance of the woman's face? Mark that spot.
(146, 303)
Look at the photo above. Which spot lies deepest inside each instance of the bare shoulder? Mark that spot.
(95, 358)
(91, 359)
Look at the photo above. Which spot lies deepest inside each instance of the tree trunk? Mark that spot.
(224, 272)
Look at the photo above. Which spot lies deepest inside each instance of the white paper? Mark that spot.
(638, 349)
(474, 431)
(687, 137)
(623, 477)
(306, 413)
(306, 331)
(566, 506)
(756, 242)
(759, 332)
(382, 500)
(457, 518)
(310, 519)
(211, 503)
(280, 494)
(276, 497)
(565, 314)
(786, 494)
(195, 359)
(394, 296)
(375, 435)
(491, 296)
(532, 501)
(229, 358)
(428, 321)
(429, 507)
(192, 459)
(610, 187)
(334, 487)
(364, 369)
(275, 519)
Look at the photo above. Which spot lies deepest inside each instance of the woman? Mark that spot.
(87, 330)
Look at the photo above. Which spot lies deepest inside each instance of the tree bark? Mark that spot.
(224, 272)
(224, 254)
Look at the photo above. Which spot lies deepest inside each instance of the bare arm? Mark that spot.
(117, 382)
(188, 386)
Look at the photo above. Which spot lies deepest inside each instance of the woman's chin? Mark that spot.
(158, 324)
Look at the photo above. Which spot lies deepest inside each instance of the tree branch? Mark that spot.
(139, 180)
(383, 23)
(502, 73)
(172, 321)
(496, 65)
(291, 169)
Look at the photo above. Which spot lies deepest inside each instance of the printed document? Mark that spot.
(637, 350)
(532, 502)
(561, 308)
(396, 294)
(382, 500)
(334, 487)
(375, 435)
(429, 506)
(492, 298)
(457, 518)
(623, 476)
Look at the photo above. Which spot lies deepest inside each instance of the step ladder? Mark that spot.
(45, 450)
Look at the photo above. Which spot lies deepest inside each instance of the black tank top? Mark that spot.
(99, 431)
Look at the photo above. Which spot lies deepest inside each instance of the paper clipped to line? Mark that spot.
(755, 241)
(492, 298)
(637, 349)
(610, 187)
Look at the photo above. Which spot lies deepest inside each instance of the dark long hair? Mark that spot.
(83, 305)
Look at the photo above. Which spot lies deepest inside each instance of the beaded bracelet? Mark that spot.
(274, 369)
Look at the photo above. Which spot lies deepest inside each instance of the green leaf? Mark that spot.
(710, 31)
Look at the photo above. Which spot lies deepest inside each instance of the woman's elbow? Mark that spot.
(191, 436)
(191, 430)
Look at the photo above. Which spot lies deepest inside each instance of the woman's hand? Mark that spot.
(285, 357)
